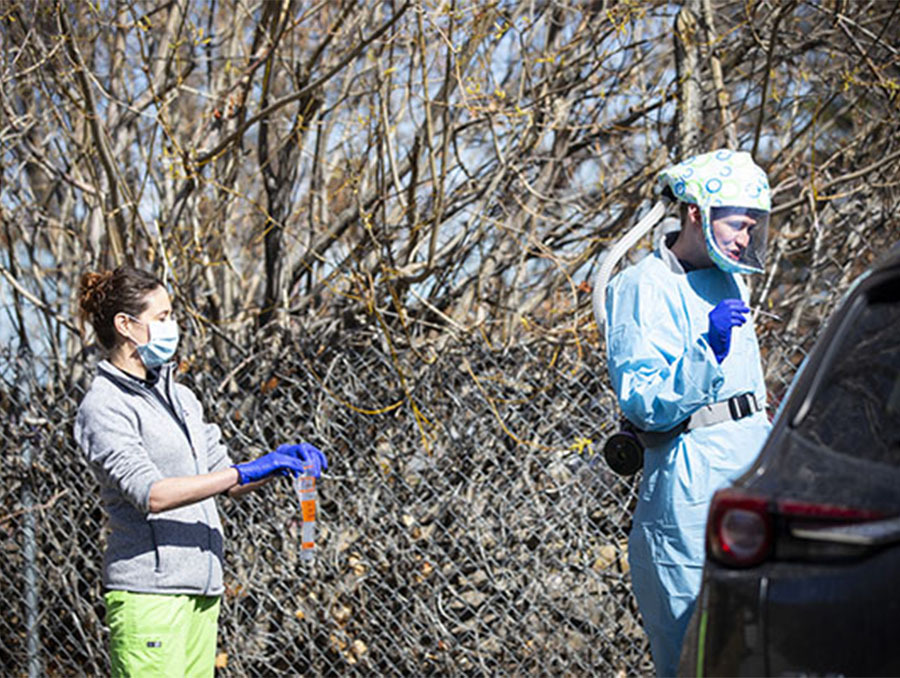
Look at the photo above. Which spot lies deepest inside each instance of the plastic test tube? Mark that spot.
(305, 486)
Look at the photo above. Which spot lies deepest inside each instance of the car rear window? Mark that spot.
(856, 411)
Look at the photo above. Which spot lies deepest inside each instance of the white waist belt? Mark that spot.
(736, 407)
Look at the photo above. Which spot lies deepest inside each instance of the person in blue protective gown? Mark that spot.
(679, 342)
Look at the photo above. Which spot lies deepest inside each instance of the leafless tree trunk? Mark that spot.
(422, 169)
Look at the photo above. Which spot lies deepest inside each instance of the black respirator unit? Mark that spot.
(623, 451)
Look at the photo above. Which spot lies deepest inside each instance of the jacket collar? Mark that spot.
(666, 254)
(130, 381)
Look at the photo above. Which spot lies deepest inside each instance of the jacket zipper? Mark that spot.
(172, 410)
(176, 406)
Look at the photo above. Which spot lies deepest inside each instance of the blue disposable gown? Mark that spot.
(663, 369)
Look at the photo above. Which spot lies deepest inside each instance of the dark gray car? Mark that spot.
(803, 552)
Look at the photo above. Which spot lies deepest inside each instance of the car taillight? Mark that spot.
(739, 531)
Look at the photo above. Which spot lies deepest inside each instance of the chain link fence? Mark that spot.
(467, 524)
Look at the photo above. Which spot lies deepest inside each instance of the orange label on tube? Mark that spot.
(308, 506)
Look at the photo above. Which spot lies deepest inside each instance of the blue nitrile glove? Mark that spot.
(310, 455)
(727, 314)
(267, 465)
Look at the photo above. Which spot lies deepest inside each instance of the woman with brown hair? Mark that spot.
(159, 465)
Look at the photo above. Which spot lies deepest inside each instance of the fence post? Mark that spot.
(32, 628)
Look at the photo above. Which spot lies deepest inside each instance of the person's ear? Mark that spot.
(121, 322)
(694, 214)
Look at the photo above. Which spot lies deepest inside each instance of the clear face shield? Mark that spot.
(737, 237)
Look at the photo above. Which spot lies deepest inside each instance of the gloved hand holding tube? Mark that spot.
(728, 313)
(312, 457)
(289, 459)
(306, 463)
(267, 465)
(314, 463)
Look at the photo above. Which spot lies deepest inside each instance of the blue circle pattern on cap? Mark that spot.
(718, 179)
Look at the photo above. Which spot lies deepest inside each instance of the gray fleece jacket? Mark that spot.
(134, 435)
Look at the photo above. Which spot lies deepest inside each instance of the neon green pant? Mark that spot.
(161, 634)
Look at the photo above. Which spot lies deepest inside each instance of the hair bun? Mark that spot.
(93, 290)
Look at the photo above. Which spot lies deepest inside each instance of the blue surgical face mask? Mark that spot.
(161, 345)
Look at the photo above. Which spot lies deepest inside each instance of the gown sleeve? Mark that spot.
(661, 374)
